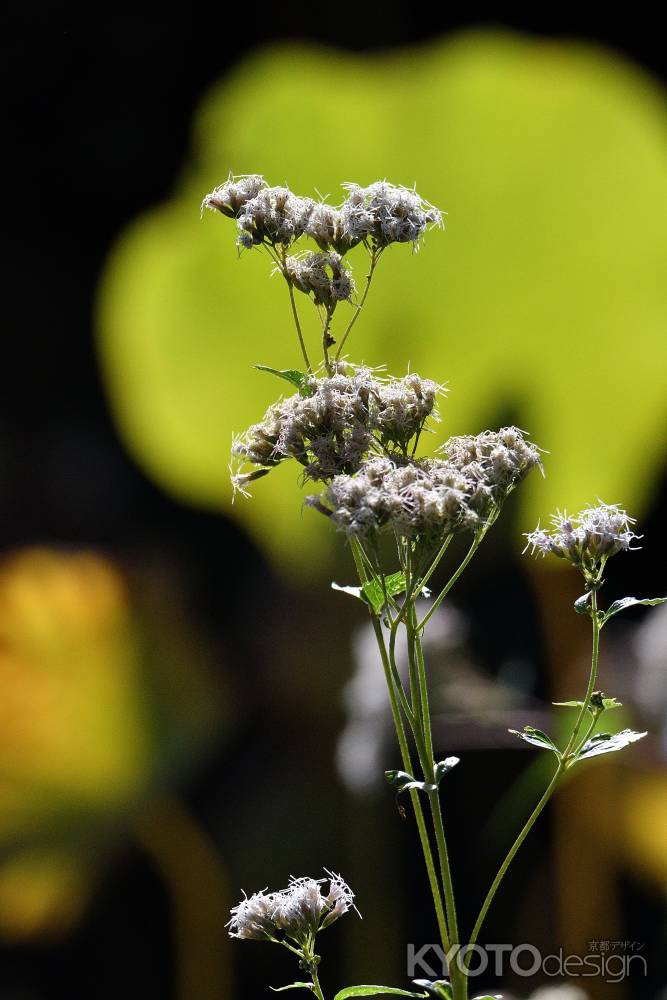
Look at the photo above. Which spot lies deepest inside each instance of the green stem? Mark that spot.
(327, 340)
(317, 989)
(477, 541)
(553, 784)
(407, 765)
(295, 314)
(375, 256)
(458, 978)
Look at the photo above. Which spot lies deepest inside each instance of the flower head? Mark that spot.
(298, 912)
(323, 275)
(335, 421)
(386, 213)
(586, 540)
(230, 197)
(274, 216)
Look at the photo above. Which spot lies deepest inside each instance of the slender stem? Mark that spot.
(317, 989)
(434, 565)
(458, 978)
(452, 580)
(407, 765)
(327, 339)
(591, 681)
(375, 256)
(295, 314)
(513, 850)
(414, 795)
(563, 762)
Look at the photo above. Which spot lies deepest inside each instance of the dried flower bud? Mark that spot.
(252, 919)
(322, 274)
(230, 197)
(274, 216)
(496, 461)
(586, 540)
(386, 213)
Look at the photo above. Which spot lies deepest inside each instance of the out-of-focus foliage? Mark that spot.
(95, 714)
(544, 296)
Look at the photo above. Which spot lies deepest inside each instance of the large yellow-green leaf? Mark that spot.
(546, 293)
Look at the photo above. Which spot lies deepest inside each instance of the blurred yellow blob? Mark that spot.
(73, 735)
(543, 301)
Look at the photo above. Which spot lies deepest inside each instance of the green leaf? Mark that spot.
(291, 375)
(608, 743)
(629, 602)
(607, 703)
(440, 988)
(443, 766)
(404, 782)
(582, 604)
(536, 738)
(293, 986)
(374, 991)
(373, 593)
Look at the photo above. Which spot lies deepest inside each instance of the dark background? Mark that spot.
(97, 112)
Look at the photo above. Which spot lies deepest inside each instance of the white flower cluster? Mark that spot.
(323, 275)
(381, 213)
(588, 539)
(496, 460)
(298, 912)
(430, 498)
(334, 422)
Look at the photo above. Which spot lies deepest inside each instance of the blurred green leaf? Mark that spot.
(549, 158)
(629, 602)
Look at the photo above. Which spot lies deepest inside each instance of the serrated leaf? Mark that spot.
(443, 766)
(608, 743)
(373, 593)
(536, 738)
(608, 703)
(403, 782)
(291, 375)
(629, 602)
(374, 991)
(440, 988)
(582, 604)
(293, 986)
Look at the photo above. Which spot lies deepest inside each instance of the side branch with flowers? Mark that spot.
(356, 431)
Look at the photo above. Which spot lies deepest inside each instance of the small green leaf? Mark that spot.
(629, 602)
(295, 378)
(403, 782)
(373, 593)
(536, 738)
(607, 703)
(443, 766)
(293, 986)
(440, 988)
(582, 604)
(374, 991)
(487, 996)
(608, 743)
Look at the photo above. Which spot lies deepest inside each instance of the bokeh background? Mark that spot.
(186, 709)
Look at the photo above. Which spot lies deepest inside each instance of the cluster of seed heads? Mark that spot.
(379, 214)
(298, 912)
(430, 498)
(587, 539)
(334, 422)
